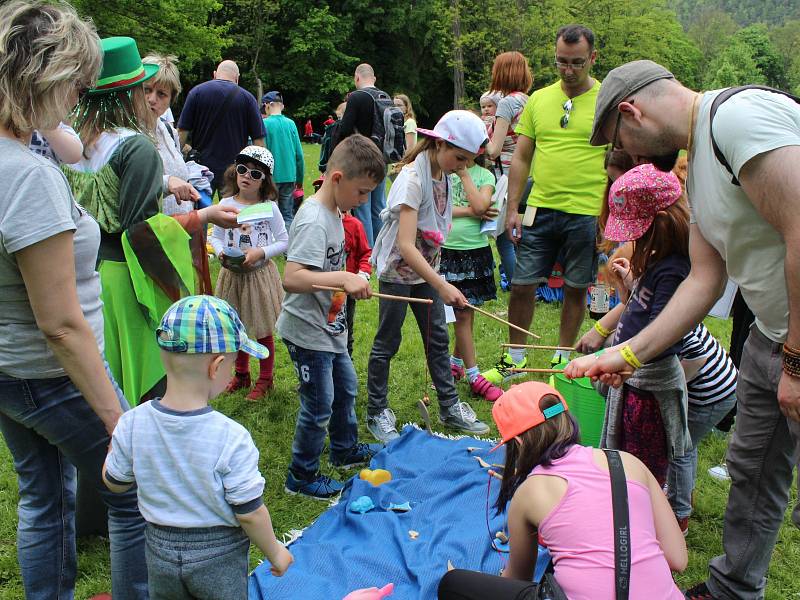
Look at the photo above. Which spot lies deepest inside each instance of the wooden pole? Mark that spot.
(537, 347)
(536, 370)
(377, 295)
(503, 321)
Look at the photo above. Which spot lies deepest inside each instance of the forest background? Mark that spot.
(440, 52)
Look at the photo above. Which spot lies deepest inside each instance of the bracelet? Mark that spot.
(787, 349)
(791, 363)
(630, 357)
(601, 330)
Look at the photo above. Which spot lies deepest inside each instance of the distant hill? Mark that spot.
(744, 12)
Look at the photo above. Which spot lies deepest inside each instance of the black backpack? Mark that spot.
(388, 131)
(722, 97)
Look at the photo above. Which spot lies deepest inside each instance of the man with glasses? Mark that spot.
(569, 183)
(745, 225)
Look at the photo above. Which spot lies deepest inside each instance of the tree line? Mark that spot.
(440, 52)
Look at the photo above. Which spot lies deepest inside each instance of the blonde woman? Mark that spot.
(403, 102)
(160, 92)
(58, 405)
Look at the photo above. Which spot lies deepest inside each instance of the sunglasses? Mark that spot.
(567, 110)
(255, 174)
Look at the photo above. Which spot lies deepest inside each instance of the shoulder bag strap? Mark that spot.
(722, 97)
(622, 538)
(215, 119)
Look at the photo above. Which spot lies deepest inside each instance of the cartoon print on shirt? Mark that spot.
(337, 312)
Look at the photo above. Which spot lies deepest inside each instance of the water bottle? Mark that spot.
(600, 296)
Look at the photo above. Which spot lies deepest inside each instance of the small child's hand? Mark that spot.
(356, 286)
(490, 213)
(281, 561)
(252, 256)
(452, 296)
(591, 341)
(622, 267)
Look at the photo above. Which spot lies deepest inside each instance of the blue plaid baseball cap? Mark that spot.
(205, 325)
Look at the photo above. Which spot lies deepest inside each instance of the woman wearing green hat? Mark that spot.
(145, 257)
(58, 405)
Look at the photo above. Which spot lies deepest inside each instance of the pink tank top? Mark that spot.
(580, 535)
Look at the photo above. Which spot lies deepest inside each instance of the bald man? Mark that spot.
(219, 119)
(358, 118)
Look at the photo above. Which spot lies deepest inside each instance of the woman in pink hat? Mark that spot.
(648, 416)
(560, 491)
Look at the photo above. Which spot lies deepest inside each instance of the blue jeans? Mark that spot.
(683, 470)
(552, 232)
(50, 430)
(286, 202)
(369, 213)
(328, 388)
(208, 562)
(508, 255)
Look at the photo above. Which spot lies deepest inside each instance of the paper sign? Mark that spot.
(256, 212)
(449, 314)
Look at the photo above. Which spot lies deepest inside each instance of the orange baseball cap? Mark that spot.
(517, 410)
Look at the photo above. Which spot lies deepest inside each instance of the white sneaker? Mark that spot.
(720, 473)
(382, 426)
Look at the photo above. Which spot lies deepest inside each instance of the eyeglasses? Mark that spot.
(255, 174)
(567, 110)
(615, 143)
(578, 65)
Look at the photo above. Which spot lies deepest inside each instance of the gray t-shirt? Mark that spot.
(35, 204)
(750, 123)
(316, 320)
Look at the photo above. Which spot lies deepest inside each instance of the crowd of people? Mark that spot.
(114, 339)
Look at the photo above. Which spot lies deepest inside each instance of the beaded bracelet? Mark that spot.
(601, 330)
(630, 357)
(791, 361)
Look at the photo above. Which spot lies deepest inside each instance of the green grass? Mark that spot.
(271, 423)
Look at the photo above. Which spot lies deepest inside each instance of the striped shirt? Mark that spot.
(716, 379)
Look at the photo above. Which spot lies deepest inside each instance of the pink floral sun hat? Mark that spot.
(634, 200)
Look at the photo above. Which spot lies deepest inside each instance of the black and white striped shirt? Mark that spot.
(716, 379)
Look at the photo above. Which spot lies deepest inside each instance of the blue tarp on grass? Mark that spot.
(343, 551)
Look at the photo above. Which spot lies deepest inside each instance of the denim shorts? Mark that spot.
(557, 234)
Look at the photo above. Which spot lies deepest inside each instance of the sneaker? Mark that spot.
(458, 371)
(262, 388)
(461, 416)
(382, 426)
(720, 472)
(321, 487)
(683, 523)
(699, 592)
(486, 390)
(360, 454)
(505, 284)
(240, 381)
(501, 373)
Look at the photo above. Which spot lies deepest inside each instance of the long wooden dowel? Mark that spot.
(537, 347)
(329, 288)
(503, 321)
(625, 373)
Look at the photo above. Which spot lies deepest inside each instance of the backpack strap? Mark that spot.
(622, 537)
(722, 97)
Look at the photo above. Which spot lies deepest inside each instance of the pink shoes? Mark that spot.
(484, 388)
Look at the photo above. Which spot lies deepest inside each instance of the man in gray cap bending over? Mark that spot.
(744, 189)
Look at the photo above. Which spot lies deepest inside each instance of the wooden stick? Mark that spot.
(624, 373)
(503, 321)
(328, 288)
(537, 347)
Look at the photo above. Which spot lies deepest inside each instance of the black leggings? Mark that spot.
(459, 584)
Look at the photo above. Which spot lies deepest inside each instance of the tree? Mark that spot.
(734, 66)
(711, 30)
(177, 27)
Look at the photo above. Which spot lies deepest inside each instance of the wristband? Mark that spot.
(601, 330)
(630, 357)
(791, 361)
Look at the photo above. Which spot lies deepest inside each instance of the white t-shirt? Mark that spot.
(748, 124)
(192, 469)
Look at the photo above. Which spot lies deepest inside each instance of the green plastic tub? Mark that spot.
(587, 406)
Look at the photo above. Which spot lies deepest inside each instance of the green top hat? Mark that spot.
(122, 66)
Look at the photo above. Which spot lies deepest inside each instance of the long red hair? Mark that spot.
(511, 73)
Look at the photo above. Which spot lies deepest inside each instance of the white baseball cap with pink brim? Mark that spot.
(460, 128)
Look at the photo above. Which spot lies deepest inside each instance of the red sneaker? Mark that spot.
(458, 372)
(683, 523)
(261, 389)
(239, 381)
(105, 596)
(484, 388)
